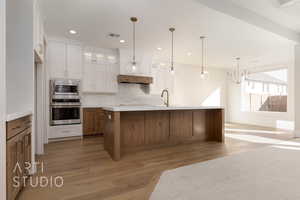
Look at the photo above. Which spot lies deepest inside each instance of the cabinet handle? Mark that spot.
(17, 127)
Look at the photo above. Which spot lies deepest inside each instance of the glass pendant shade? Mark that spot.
(172, 70)
(132, 67)
(203, 73)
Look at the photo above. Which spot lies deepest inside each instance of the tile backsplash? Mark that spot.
(129, 94)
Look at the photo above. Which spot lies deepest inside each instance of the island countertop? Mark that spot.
(157, 108)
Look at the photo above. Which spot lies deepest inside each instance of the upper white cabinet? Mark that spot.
(38, 32)
(100, 70)
(64, 60)
(74, 61)
(56, 61)
(97, 68)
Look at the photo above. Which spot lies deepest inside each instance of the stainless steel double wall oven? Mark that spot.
(65, 102)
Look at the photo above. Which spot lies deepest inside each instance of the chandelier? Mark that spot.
(238, 75)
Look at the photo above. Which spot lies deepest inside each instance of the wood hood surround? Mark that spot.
(146, 80)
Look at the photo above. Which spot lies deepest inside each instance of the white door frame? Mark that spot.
(2, 99)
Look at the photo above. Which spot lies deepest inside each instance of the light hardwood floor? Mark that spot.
(90, 174)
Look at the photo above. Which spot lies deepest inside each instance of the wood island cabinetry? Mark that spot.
(131, 131)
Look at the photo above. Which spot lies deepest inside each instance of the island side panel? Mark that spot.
(132, 129)
(215, 125)
(112, 135)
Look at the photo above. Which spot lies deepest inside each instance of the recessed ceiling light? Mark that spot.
(162, 64)
(122, 41)
(159, 48)
(88, 54)
(73, 32)
(189, 53)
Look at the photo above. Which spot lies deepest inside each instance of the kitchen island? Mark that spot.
(135, 128)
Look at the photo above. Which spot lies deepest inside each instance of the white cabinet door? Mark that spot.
(57, 59)
(95, 78)
(74, 61)
(100, 70)
(112, 81)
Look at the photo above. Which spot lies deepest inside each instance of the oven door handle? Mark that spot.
(65, 106)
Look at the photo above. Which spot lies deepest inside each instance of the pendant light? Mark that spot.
(203, 73)
(133, 63)
(238, 75)
(237, 72)
(172, 49)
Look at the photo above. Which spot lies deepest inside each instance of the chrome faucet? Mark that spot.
(162, 95)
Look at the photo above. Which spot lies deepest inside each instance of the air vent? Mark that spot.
(113, 35)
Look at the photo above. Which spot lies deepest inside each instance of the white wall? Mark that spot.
(297, 90)
(191, 90)
(2, 102)
(19, 55)
(20, 60)
(269, 119)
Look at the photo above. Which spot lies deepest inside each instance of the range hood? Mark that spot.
(146, 80)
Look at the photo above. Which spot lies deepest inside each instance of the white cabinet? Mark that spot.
(56, 61)
(100, 71)
(64, 60)
(74, 61)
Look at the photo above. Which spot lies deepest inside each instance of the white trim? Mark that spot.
(2, 99)
(285, 3)
(297, 133)
(250, 17)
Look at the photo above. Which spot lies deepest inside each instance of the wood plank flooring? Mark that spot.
(90, 174)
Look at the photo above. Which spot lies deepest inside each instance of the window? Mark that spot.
(265, 91)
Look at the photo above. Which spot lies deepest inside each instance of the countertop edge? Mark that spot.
(17, 115)
(117, 109)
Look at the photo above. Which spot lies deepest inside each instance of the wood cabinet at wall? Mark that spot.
(93, 121)
(64, 60)
(18, 155)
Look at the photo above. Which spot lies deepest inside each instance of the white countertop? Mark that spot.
(13, 116)
(153, 108)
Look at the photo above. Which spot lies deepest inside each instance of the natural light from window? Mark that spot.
(265, 91)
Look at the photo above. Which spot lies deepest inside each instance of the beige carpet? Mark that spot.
(271, 173)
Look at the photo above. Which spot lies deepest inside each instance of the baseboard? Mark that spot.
(297, 133)
(65, 139)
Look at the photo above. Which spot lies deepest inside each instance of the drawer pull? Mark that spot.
(17, 127)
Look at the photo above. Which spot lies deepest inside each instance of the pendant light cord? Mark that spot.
(172, 48)
(133, 58)
(202, 68)
(172, 58)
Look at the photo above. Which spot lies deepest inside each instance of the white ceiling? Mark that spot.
(227, 37)
(287, 16)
